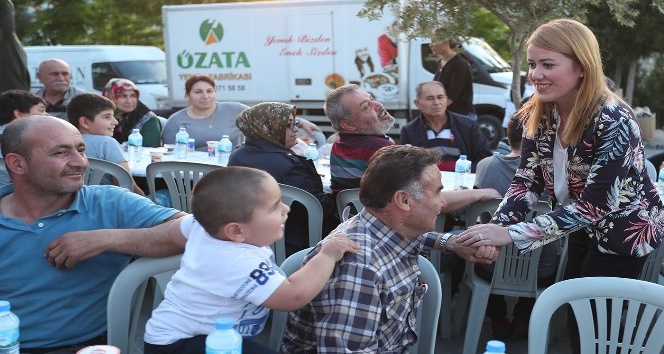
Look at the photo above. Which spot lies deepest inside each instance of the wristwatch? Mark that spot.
(442, 241)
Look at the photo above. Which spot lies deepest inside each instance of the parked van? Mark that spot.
(93, 65)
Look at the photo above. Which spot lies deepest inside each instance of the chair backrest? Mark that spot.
(4, 175)
(98, 168)
(652, 171)
(346, 197)
(290, 194)
(126, 296)
(514, 272)
(427, 313)
(653, 266)
(180, 178)
(611, 313)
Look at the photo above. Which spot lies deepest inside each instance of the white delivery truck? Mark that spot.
(93, 65)
(298, 51)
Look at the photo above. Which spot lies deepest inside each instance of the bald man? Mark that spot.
(55, 74)
(63, 243)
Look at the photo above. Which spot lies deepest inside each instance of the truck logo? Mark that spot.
(204, 60)
(211, 31)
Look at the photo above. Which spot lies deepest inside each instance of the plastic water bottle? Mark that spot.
(181, 141)
(224, 149)
(135, 145)
(495, 347)
(461, 170)
(8, 330)
(312, 154)
(224, 339)
(660, 183)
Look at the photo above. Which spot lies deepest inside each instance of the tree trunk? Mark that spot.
(631, 76)
(618, 75)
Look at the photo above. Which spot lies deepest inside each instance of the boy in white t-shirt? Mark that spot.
(228, 269)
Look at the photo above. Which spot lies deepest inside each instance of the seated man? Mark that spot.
(437, 127)
(370, 303)
(63, 243)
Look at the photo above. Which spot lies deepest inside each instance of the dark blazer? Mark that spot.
(467, 136)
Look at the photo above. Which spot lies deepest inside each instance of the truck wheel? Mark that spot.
(491, 128)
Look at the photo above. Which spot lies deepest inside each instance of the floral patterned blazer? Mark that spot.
(613, 201)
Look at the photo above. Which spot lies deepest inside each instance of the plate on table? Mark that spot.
(169, 149)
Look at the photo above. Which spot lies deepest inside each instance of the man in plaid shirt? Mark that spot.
(370, 303)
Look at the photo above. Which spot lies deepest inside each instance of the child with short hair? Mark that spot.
(92, 115)
(15, 104)
(228, 269)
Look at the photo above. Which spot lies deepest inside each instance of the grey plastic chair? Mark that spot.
(97, 168)
(4, 175)
(427, 313)
(652, 171)
(653, 266)
(346, 197)
(180, 178)
(514, 274)
(290, 194)
(126, 296)
(613, 315)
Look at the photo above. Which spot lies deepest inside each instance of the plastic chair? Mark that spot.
(653, 266)
(427, 313)
(4, 175)
(652, 171)
(611, 313)
(126, 296)
(290, 194)
(97, 168)
(514, 274)
(180, 178)
(348, 196)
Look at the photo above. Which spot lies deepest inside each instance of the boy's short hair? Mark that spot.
(87, 105)
(227, 194)
(17, 99)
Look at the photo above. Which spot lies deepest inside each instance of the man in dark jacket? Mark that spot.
(447, 132)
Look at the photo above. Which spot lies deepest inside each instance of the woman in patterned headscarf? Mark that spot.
(132, 113)
(271, 131)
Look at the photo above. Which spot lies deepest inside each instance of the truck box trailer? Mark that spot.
(299, 51)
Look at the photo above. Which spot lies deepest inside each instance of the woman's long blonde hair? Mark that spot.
(577, 42)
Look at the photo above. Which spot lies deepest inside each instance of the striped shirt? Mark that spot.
(370, 303)
(350, 156)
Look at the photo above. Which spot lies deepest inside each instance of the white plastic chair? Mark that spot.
(126, 296)
(611, 313)
(97, 168)
(514, 274)
(427, 313)
(180, 178)
(290, 194)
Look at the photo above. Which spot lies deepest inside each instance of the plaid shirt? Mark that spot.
(369, 304)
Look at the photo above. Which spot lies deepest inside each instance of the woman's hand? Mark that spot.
(485, 235)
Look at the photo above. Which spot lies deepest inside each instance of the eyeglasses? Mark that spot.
(294, 123)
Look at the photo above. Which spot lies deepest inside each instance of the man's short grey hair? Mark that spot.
(415, 189)
(420, 86)
(334, 109)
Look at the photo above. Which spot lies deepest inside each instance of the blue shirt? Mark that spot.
(61, 307)
(104, 148)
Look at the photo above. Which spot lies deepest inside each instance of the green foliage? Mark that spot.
(487, 26)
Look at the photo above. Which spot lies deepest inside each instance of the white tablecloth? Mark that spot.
(138, 167)
(447, 179)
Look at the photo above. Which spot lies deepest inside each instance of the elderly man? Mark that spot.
(57, 91)
(362, 123)
(63, 243)
(439, 128)
(370, 302)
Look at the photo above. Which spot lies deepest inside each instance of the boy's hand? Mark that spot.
(335, 246)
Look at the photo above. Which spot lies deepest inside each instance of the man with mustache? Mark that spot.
(58, 90)
(362, 123)
(62, 244)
